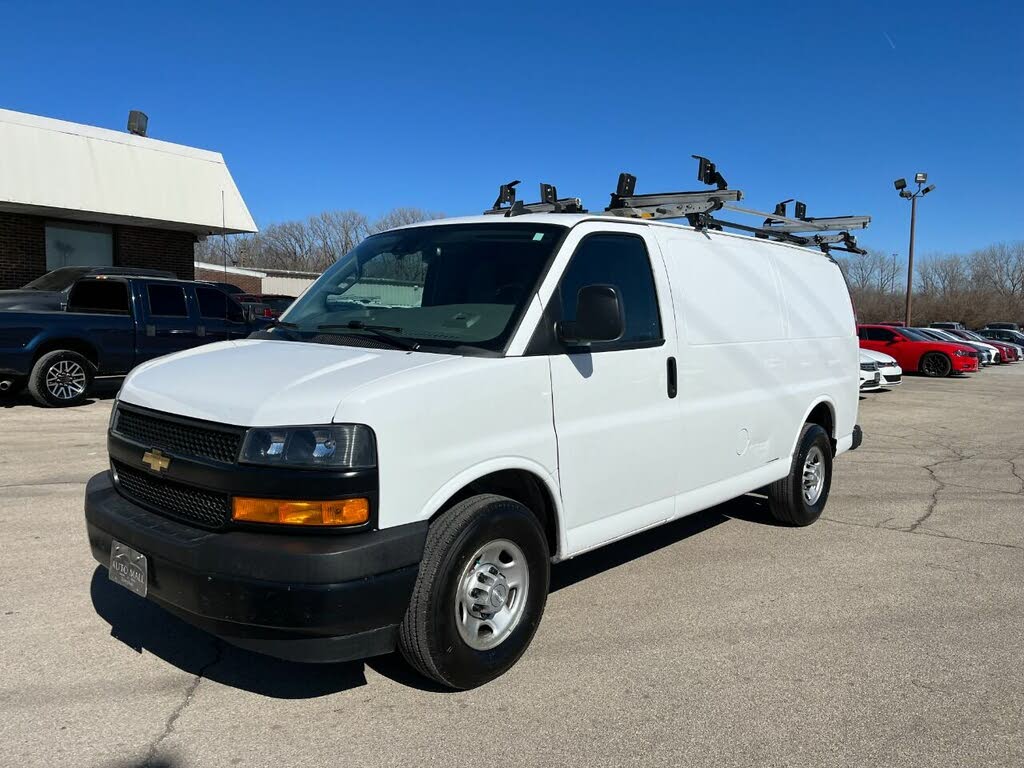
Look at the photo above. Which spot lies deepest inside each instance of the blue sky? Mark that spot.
(372, 105)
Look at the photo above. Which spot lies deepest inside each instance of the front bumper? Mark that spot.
(965, 364)
(891, 376)
(315, 598)
(874, 382)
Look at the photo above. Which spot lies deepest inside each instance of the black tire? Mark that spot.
(429, 637)
(786, 498)
(61, 379)
(935, 365)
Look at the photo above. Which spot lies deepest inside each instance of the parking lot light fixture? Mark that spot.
(901, 187)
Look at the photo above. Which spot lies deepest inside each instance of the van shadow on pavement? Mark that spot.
(144, 626)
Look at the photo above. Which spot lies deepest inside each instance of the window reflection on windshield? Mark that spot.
(441, 285)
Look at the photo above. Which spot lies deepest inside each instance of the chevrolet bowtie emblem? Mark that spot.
(156, 460)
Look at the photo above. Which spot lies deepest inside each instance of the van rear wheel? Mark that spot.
(799, 498)
(480, 593)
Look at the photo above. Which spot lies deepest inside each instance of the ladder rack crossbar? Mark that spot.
(561, 205)
(824, 241)
(815, 224)
(666, 205)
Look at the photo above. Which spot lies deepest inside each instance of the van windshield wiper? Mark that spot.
(381, 331)
(291, 328)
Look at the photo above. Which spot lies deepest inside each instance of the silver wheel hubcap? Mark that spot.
(491, 595)
(65, 380)
(814, 475)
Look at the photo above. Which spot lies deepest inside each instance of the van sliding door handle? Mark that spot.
(672, 387)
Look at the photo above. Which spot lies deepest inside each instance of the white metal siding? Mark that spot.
(288, 286)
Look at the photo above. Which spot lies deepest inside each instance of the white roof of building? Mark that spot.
(54, 168)
(229, 270)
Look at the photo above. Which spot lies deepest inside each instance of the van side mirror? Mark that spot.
(599, 316)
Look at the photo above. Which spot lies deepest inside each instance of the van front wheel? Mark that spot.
(480, 593)
(799, 498)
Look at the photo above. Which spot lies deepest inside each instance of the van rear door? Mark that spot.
(733, 374)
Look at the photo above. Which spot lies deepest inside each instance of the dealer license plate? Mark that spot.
(127, 568)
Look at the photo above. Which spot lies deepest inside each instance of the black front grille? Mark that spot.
(179, 437)
(191, 505)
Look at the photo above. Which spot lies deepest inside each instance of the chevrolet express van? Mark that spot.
(456, 405)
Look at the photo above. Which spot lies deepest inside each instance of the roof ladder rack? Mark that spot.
(699, 209)
(696, 207)
(549, 202)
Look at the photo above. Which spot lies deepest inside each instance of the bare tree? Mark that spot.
(400, 217)
(333, 234)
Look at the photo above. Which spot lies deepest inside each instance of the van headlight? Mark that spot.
(334, 446)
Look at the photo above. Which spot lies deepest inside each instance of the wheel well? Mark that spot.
(519, 485)
(84, 348)
(822, 415)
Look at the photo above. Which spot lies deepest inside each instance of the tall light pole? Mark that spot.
(901, 187)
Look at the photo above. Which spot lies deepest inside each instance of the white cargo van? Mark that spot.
(456, 405)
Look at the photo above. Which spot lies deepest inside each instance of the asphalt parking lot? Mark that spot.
(889, 633)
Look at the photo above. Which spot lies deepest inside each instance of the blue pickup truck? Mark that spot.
(111, 324)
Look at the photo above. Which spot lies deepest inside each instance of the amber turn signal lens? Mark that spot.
(286, 512)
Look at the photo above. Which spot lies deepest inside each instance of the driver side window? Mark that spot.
(620, 261)
(879, 334)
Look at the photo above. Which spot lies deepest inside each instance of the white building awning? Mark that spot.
(54, 168)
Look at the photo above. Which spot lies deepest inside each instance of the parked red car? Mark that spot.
(271, 305)
(916, 353)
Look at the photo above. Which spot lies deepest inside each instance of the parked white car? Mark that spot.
(361, 477)
(870, 376)
(987, 354)
(888, 368)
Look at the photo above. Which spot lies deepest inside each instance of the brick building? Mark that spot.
(76, 195)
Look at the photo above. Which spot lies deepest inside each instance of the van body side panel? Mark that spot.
(439, 427)
(751, 368)
(732, 359)
(824, 351)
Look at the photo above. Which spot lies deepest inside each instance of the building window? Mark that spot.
(78, 245)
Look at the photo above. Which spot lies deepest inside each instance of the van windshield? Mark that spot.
(441, 287)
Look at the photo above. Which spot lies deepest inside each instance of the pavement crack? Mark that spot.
(172, 718)
(1016, 472)
(43, 484)
(916, 532)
